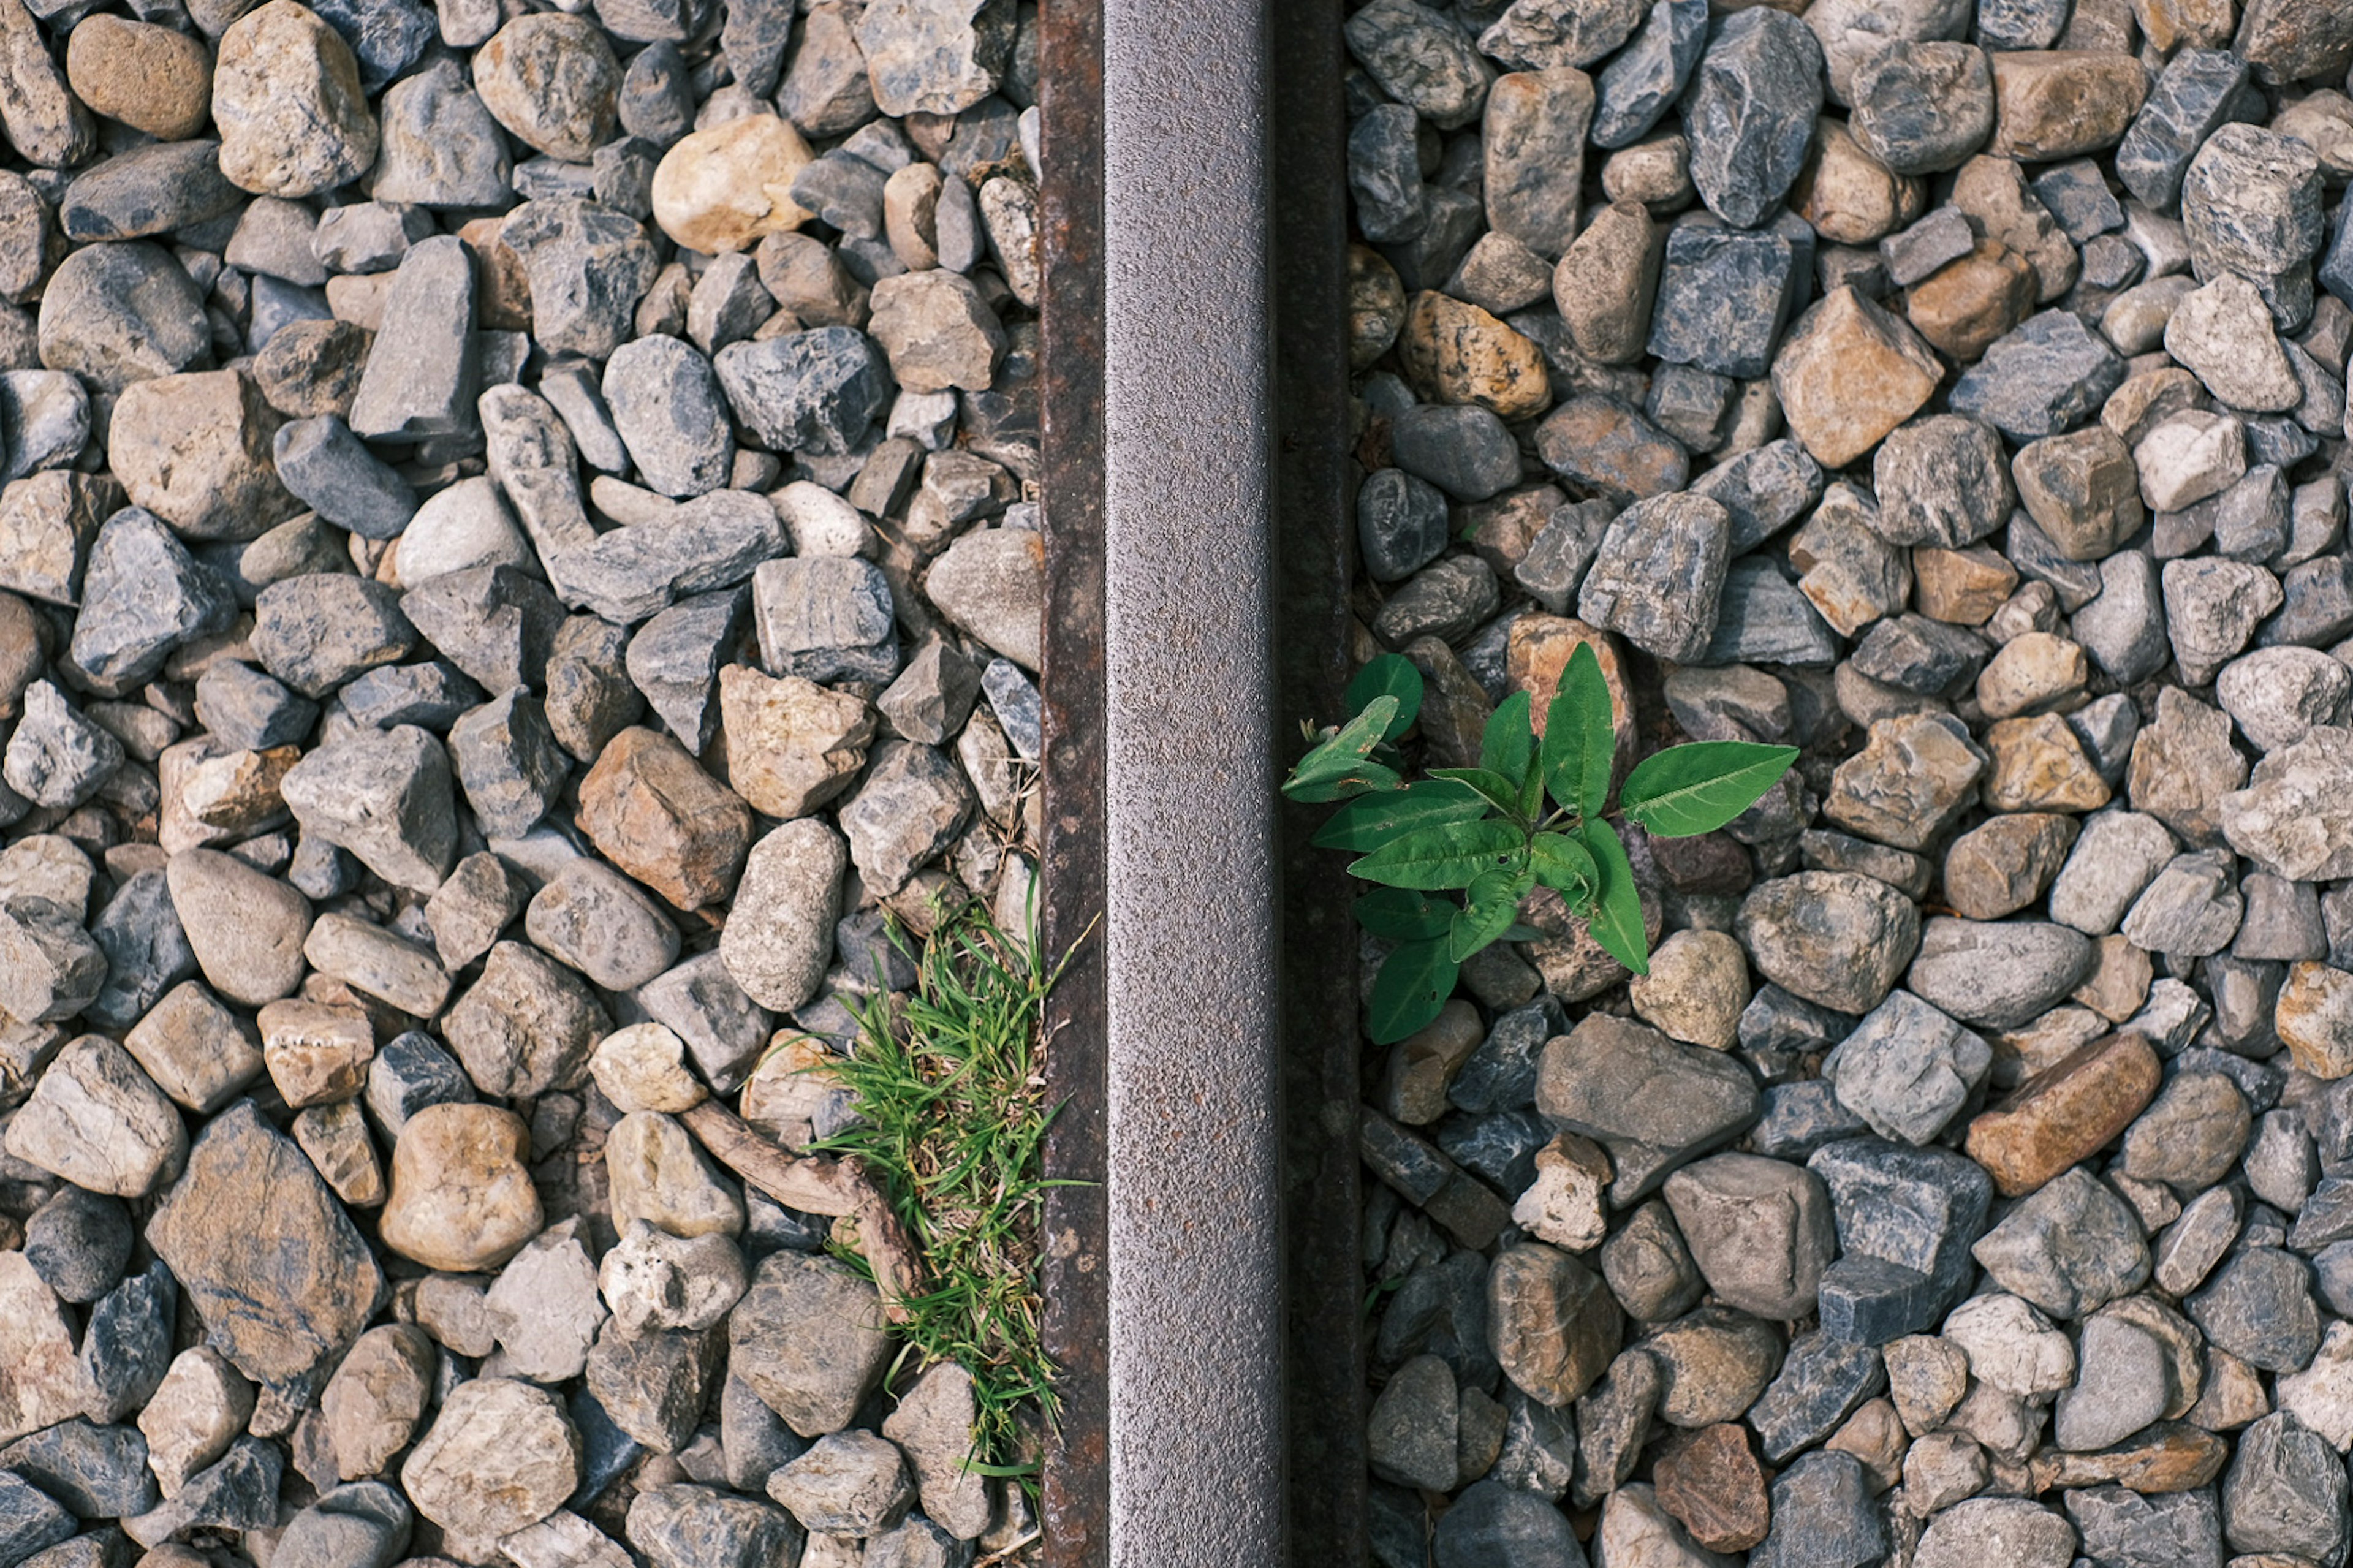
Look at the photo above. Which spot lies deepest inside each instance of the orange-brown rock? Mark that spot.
(2057, 103)
(2314, 1019)
(1969, 302)
(1850, 196)
(460, 1197)
(2167, 1457)
(1962, 587)
(1456, 352)
(1849, 374)
(651, 810)
(2065, 1114)
(1537, 655)
(1715, 1485)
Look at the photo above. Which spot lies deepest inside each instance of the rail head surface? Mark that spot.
(1159, 501)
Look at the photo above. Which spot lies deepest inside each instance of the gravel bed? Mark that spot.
(517, 555)
(1955, 391)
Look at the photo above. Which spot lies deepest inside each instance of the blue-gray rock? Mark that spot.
(1724, 295)
(2077, 194)
(430, 694)
(330, 471)
(441, 147)
(56, 758)
(30, 1519)
(2250, 204)
(753, 39)
(1013, 698)
(1689, 404)
(387, 36)
(411, 1071)
(2022, 24)
(674, 659)
(1500, 1150)
(2121, 1528)
(1799, 1118)
(1749, 112)
(844, 191)
(1777, 1029)
(1401, 524)
(142, 594)
(2039, 559)
(665, 404)
(1924, 106)
(657, 95)
(277, 304)
(1908, 1070)
(1501, 1075)
(2259, 1306)
(1421, 56)
(497, 624)
(123, 312)
(2318, 604)
(248, 710)
(2045, 377)
(1659, 575)
(821, 615)
(1427, 259)
(146, 950)
(146, 191)
(1912, 254)
(2197, 93)
(814, 392)
(316, 631)
(2123, 629)
(364, 1524)
(424, 366)
(79, 1242)
(1463, 449)
(652, 1384)
(44, 421)
(1823, 1515)
(1763, 619)
(237, 1491)
(606, 1451)
(2335, 270)
(1655, 1103)
(1820, 1383)
(1643, 79)
(508, 764)
(2069, 1248)
(1763, 490)
(127, 1345)
(697, 1527)
(98, 1471)
(1384, 174)
(1560, 555)
(589, 267)
(1907, 1219)
(1491, 1525)
(1915, 654)
(2285, 1492)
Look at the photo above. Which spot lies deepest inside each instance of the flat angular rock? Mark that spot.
(1658, 575)
(384, 796)
(807, 1338)
(1750, 113)
(653, 812)
(526, 1026)
(1760, 1230)
(1836, 938)
(501, 1455)
(1907, 1069)
(1599, 1080)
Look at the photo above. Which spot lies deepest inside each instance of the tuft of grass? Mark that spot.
(948, 1085)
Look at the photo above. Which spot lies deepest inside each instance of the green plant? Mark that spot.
(1532, 813)
(951, 1115)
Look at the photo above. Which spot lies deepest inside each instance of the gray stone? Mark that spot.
(424, 369)
(1908, 1070)
(1907, 1219)
(1493, 1523)
(1820, 1383)
(588, 265)
(316, 631)
(441, 148)
(1654, 1103)
(2119, 1388)
(1463, 449)
(508, 764)
(119, 312)
(384, 796)
(712, 541)
(2199, 91)
(328, 470)
(1924, 108)
(1942, 480)
(820, 616)
(1823, 1516)
(1658, 575)
(1833, 938)
(1724, 295)
(2043, 378)
(142, 595)
(2259, 1306)
(1401, 524)
(814, 390)
(666, 405)
(1420, 58)
(2191, 908)
(1997, 973)
(56, 758)
(147, 191)
(1750, 113)
(597, 920)
(1643, 80)
(2285, 1492)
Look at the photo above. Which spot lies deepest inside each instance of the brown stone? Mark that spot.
(1850, 196)
(1537, 655)
(2038, 765)
(1964, 587)
(791, 744)
(316, 1054)
(653, 812)
(195, 449)
(1713, 1482)
(1606, 282)
(2170, 1457)
(151, 78)
(2059, 103)
(2117, 983)
(1457, 352)
(2314, 1016)
(462, 1199)
(2066, 1114)
(1553, 1323)
(2004, 863)
(2147, 400)
(1848, 374)
(1422, 1065)
(2169, 25)
(2081, 489)
(1966, 304)
(1609, 449)
(1993, 193)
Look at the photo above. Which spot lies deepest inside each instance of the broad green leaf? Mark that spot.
(1446, 855)
(1562, 864)
(1501, 790)
(1371, 821)
(1367, 778)
(1494, 898)
(1399, 914)
(1413, 984)
(1346, 754)
(1390, 675)
(1687, 790)
(1617, 918)
(1523, 933)
(1580, 741)
(1507, 746)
